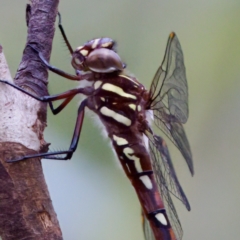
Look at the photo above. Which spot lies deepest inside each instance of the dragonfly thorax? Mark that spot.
(117, 101)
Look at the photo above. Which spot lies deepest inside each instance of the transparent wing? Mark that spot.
(167, 180)
(148, 233)
(168, 98)
(175, 132)
(170, 81)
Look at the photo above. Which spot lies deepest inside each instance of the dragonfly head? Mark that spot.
(97, 55)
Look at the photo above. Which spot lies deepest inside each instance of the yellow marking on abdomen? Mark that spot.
(120, 141)
(146, 181)
(161, 218)
(129, 154)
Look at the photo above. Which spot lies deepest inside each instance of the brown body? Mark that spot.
(128, 140)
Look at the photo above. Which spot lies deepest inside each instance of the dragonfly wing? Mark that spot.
(168, 97)
(148, 233)
(170, 81)
(181, 141)
(175, 132)
(167, 180)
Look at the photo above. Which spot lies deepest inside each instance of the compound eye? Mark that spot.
(104, 60)
(78, 61)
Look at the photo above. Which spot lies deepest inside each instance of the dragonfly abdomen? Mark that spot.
(135, 159)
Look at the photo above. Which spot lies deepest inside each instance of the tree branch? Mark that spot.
(26, 210)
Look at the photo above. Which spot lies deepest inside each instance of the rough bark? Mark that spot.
(26, 210)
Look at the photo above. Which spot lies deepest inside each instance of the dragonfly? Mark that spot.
(129, 113)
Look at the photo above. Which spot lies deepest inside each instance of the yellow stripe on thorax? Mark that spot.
(112, 88)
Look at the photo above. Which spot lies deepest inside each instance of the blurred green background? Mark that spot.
(91, 195)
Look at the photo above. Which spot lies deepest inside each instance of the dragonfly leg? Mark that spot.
(80, 76)
(61, 106)
(68, 95)
(68, 153)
